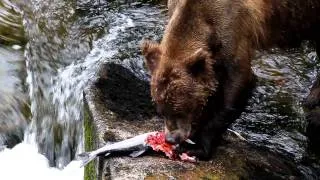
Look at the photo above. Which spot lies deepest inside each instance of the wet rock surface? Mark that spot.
(120, 107)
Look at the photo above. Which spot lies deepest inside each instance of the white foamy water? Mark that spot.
(24, 162)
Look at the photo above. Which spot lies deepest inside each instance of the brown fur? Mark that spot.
(201, 70)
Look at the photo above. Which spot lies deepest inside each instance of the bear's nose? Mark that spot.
(172, 139)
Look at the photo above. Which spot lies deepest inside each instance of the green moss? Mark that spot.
(89, 142)
(58, 133)
(11, 27)
(26, 111)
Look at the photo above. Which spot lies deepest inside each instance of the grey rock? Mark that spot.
(119, 106)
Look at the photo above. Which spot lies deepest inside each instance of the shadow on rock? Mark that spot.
(125, 94)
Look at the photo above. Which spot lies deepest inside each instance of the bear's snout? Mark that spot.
(176, 137)
(173, 138)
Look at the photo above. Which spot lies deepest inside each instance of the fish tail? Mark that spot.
(86, 158)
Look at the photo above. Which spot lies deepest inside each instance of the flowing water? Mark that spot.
(56, 51)
(51, 49)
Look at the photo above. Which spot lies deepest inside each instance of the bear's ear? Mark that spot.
(196, 63)
(151, 52)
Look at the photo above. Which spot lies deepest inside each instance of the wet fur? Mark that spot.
(201, 70)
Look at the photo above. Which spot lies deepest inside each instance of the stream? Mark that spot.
(51, 49)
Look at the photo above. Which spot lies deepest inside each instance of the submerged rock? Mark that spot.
(11, 28)
(118, 106)
(313, 130)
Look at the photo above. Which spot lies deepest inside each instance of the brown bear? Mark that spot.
(201, 71)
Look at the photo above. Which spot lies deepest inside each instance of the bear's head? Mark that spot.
(180, 88)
